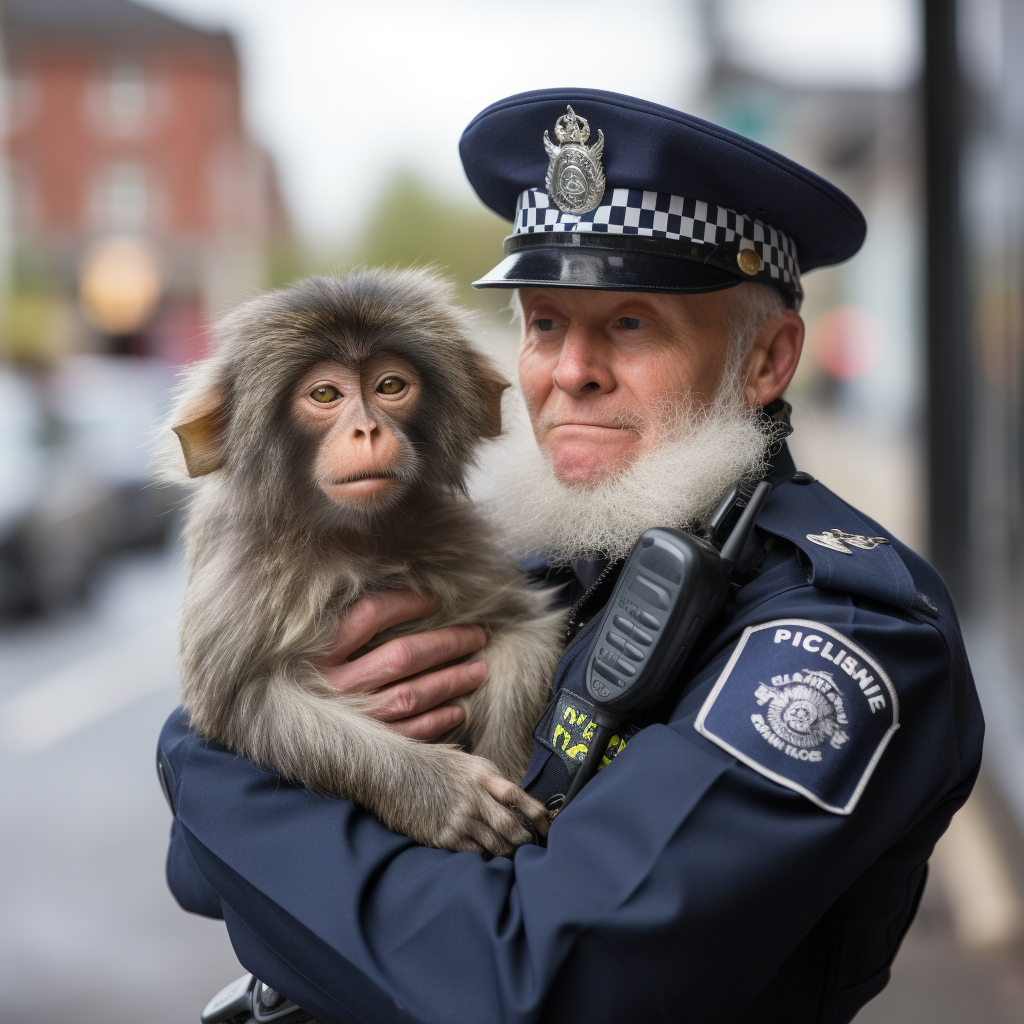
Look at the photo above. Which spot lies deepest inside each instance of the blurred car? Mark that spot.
(108, 408)
(54, 513)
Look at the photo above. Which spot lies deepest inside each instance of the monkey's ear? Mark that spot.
(200, 426)
(492, 386)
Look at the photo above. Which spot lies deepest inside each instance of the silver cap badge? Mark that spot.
(575, 178)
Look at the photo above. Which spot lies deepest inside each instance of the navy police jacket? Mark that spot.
(756, 856)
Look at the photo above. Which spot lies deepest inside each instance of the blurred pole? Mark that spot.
(945, 315)
(6, 207)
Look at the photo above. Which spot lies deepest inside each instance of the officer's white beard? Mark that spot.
(707, 447)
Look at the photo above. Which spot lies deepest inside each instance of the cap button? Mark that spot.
(749, 262)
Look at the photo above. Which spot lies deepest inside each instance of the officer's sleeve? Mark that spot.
(186, 882)
(674, 886)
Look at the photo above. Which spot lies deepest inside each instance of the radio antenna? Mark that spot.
(733, 547)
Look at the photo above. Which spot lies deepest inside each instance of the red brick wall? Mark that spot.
(58, 150)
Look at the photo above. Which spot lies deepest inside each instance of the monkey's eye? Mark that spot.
(391, 386)
(325, 394)
(629, 323)
(544, 324)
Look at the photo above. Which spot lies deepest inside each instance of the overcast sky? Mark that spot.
(343, 92)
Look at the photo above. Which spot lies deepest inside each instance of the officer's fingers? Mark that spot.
(510, 795)
(404, 657)
(431, 725)
(413, 696)
(373, 614)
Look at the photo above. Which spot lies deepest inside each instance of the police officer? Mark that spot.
(757, 852)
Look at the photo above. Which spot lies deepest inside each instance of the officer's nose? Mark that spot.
(582, 367)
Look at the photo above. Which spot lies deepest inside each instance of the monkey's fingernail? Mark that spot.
(478, 670)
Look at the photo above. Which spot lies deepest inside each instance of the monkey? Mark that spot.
(327, 439)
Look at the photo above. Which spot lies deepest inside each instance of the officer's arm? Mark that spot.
(186, 882)
(679, 881)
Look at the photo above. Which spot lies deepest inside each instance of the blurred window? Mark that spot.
(119, 105)
(121, 201)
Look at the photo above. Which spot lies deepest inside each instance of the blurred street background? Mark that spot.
(163, 160)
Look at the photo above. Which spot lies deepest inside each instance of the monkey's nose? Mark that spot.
(368, 431)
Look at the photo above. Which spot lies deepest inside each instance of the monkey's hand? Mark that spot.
(464, 803)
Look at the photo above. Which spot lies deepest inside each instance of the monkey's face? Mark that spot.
(338, 402)
(359, 417)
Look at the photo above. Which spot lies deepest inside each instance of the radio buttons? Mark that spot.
(616, 641)
(633, 653)
(644, 619)
(623, 625)
(605, 672)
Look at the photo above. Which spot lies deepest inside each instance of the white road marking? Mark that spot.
(91, 690)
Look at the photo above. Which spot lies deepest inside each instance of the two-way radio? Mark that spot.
(672, 584)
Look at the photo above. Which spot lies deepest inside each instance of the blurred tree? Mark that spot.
(289, 261)
(38, 326)
(413, 225)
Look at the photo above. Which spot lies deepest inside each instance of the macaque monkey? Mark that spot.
(328, 437)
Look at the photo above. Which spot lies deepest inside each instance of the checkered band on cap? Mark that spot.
(632, 211)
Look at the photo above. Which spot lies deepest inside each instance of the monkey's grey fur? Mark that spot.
(273, 564)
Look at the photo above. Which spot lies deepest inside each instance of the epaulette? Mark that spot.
(845, 550)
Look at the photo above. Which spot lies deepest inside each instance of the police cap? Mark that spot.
(613, 192)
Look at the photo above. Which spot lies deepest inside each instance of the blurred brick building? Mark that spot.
(125, 123)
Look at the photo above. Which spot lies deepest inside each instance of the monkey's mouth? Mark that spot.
(360, 485)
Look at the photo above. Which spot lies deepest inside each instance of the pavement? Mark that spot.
(89, 933)
(936, 979)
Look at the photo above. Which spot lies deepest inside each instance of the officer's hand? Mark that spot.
(406, 688)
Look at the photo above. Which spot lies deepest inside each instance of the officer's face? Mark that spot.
(600, 369)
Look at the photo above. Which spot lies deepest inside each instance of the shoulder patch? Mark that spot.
(806, 707)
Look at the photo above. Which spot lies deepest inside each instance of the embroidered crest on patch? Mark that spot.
(804, 706)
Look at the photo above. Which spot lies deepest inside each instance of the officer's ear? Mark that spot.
(200, 424)
(773, 358)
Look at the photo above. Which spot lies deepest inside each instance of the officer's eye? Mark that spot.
(325, 394)
(391, 386)
(629, 323)
(544, 324)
